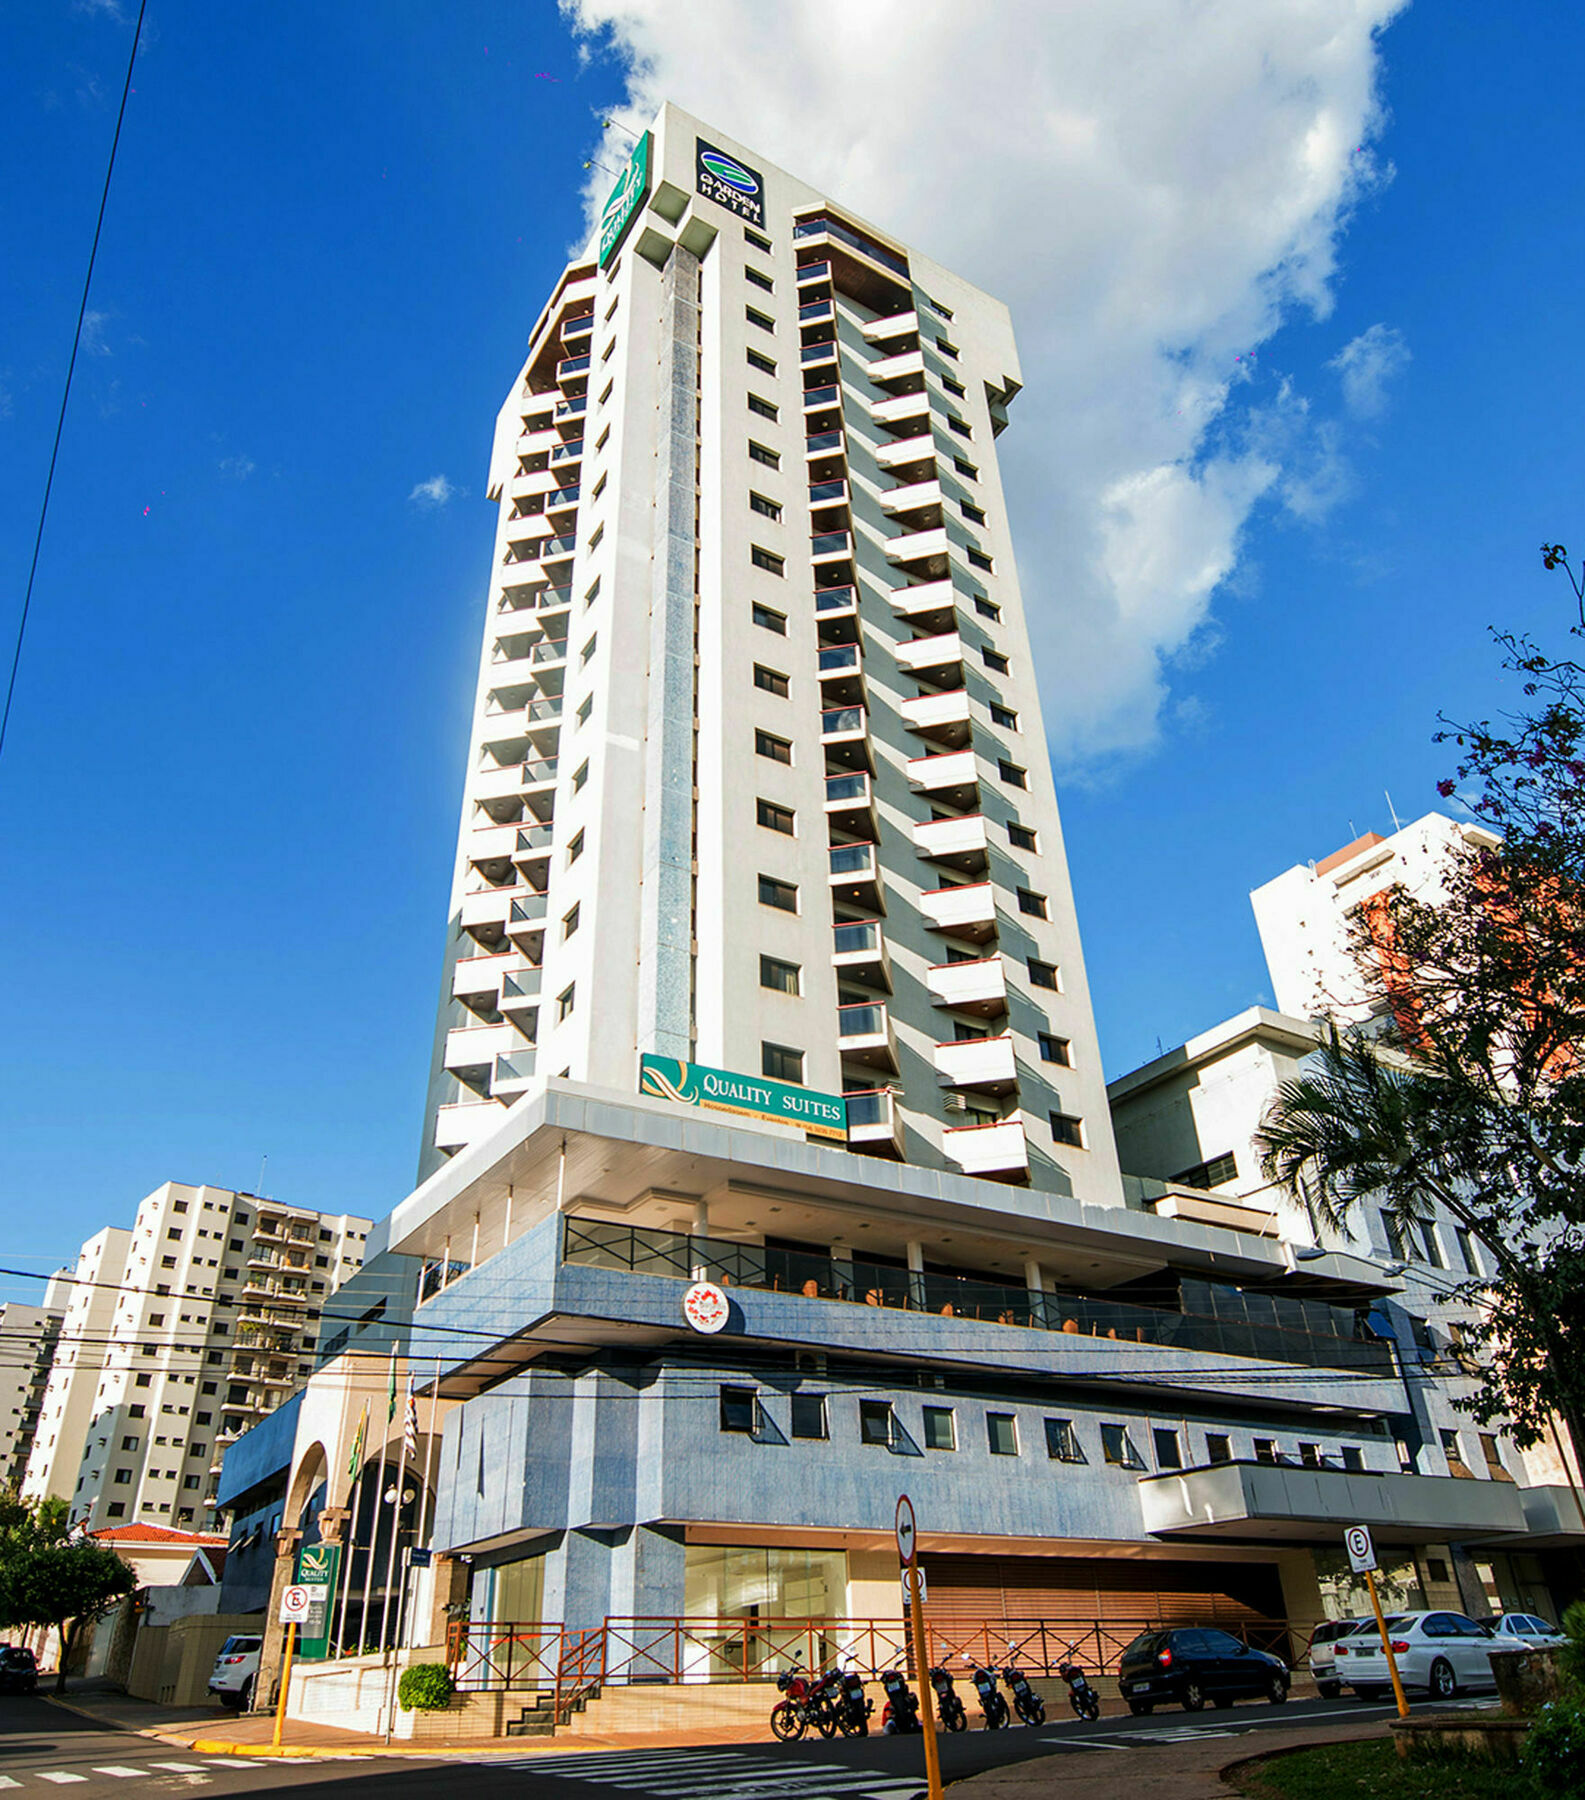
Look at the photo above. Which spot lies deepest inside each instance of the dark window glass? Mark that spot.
(940, 1428)
(774, 817)
(768, 619)
(809, 1416)
(1001, 1429)
(1062, 1441)
(782, 894)
(1043, 974)
(781, 1063)
(875, 1422)
(778, 749)
(739, 1409)
(782, 976)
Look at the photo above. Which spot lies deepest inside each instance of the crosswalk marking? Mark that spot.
(121, 1769)
(722, 1774)
(59, 1776)
(6, 1782)
(180, 1768)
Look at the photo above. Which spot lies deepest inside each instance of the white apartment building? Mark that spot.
(1304, 914)
(757, 777)
(179, 1334)
(28, 1337)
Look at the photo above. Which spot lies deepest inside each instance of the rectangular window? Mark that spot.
(1012, 774)
(123, 1476)
(953, 387)
(592, 591)
(764, 364)
(809, 1416)
(770, 681)
(1044, 975)
(784, 977)
(575, 847)
(1058, 1050)
(946, 349)
(1265, 1450)
(941, 1432)
(960, 428)
(1004, 716)
(1067, 1128)
(778, 749)
(599, 534)
(763, 408)
(740, 1409)
(1218, 1447)
(1310, 1456)
(972, 512)
(569, 921)
(1492, 1451)
(763, 320)
(1021, 837)
(781, 1063)
(767, 560)
(771, 509)
(758, 453)
(1062, 1441)
(756, 238)
(1467, 1253)
(1430, 1244)
(585, 655)
(759, 280)
(605, 392)
(993, 659)
(1211, 1173)
(1169, 1451)
(780, 894)
(987, 609)
(1033, 904)
(580, 775)
(1353, 1459)
(1001, 1432)
(776, 818)
(565, 1001)
(583, 712)
(1119, 1448)
(602, 440)
(964, 467)
(981, 561)
(875, 1422)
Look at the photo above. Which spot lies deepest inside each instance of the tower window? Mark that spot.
(783, 977)
(770, 681)
(778, 749)
(767, 560)
(1068, 1129)
(782, 1063)
(781, 894)
(768, 619)
(776, 818)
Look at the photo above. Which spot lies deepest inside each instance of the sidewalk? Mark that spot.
(1183, 1770)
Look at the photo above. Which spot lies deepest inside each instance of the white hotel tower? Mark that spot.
(757, 778)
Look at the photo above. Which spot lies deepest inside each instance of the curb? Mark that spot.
(1231, 1773)
(346, 1752)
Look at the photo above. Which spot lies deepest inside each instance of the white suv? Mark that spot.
(235, 1672)
(1323, 1657)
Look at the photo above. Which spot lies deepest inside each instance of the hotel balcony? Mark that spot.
(491, 848)
(572, 410)
(512, 1074)
(477, 1046)
(858, 949)
(907, 451)
(907, 365)
(844, 732)
(944, 718)
(967, 912)
(973, 987)
(931, 603)
(855, 875)
(998, 1149)
(531, 848)
(864, 1035)
(813, 271)
(576, 331)
(503, 731)
(817, 312)
(960, 843)
(924, 551)
(465, 1122)
(519, 994)
(953, 775)
(894, 325)
(911, 497)
(814, 357)
(906, 414)
(830, 547)
(833, 605)
(850, 804)
(841, 675)
(477, 979)
(498, 783)
(565, 451)
(985, 1064)
(875, 1123)
(486, 913)
(572, 373)
(823, 444)
(525, 923)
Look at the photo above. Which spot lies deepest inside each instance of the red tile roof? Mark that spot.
(160, 1534)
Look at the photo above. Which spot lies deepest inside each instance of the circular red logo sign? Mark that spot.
(705, 1307)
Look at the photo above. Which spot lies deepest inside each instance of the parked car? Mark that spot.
(19, 1671)
(1189, 1665)
(236, 1671)
(1440, 1652)
(1323, 1661)
(1515, 1628)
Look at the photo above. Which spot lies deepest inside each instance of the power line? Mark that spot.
(66, 393)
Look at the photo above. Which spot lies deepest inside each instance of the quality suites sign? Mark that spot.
(625, 198)
(693, 1084)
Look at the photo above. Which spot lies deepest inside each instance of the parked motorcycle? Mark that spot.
(949, 1708)
(991, 1702)
(1030, 1707)
(1081, 1696)
(901, 1712)
(792, 1717)
(855, 1708)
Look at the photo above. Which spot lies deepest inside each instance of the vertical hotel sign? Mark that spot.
(693, 1084)
(627, 197)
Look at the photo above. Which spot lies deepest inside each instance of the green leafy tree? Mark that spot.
(1467, 1087)
(48, 1578)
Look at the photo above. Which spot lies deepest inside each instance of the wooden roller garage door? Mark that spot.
(1082, 1591)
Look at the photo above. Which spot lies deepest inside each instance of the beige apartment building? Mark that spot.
(28, 1339)
(177, 1336)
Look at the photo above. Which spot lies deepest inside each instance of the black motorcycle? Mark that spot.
(1030, 1707)
(1081, 1696)
(949, 1708)
(853, 1709)
(901, 1712)
(991, 1702)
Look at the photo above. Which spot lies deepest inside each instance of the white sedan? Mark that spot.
(1440, 1652)
(1515, 1628)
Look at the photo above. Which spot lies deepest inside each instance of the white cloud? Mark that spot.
(1366, 365)
(435, 492)
(238, 468)
(1153, 186)
(94, 342)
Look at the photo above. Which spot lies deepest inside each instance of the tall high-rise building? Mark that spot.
(757, 775)
(28, 1339)
(177, 1336)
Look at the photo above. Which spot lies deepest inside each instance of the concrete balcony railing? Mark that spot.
(902, 411)
(858, 949)
(984, 1063)
(925, 597)
(908, 365)
(855, 873)
(944, 717)
(879, 331)
(979, 986)
(964, 843)
(997, 1148)
(952, 770)
(512, 1074)
(491, 907)
(918, 546)
(477, 1046)
(837, 661)
(910, 497)
(520, 991)
(478, 978)
(960, 910)
(465, 1122)
(921, 447)
(934, 655)
(864, 1035)
(875, 1121)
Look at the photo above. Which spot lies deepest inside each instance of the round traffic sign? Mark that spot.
(1361, 1552)
(907, 1534)
(295, 1602)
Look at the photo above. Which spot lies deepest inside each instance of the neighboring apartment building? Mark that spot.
(758, 818)
(1304, 914)
(757, 774)
(28, 1339)
(179, 1334)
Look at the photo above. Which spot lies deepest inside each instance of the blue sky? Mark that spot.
(229, 796)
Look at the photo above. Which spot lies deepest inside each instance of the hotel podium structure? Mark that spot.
(763, 972)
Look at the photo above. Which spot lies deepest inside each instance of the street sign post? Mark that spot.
(914, 1599)
(1362, 1560)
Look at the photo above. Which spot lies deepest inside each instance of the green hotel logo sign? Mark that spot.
(821, 1115)
(317, 1568)
(626, 198)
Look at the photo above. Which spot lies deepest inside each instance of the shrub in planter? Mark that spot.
(425, 1687)
(1554, 1751)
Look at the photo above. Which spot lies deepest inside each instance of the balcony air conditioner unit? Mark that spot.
(956, 1103)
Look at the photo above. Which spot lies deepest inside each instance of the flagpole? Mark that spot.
(396, 1519)
(426, 1502)
(374, 1532)
(350, 1534)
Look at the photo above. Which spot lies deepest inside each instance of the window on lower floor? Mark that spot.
(1001, 1432)
(1068, 1128)
(1044, 975)
(781, 1063)
(1012, 774)
(1058, 1050)
(1492, 1451)
(1265, 1450)
(1062, 1441)
(565, 1001)
(1210, 1173)
(767, 559)
(809, 1416)
(1218, 1447)
(739, 1409)
(1353, 1459)
(941, 1432)
(1021, 837)
(1310, 1456)
(776, 818)
(783, 977)
(1033, 904)
(1119, 1448)
(768, 619)
(783, 895)
(876, 1425)
(1169, 1450)
(770, 681)
(776, 749)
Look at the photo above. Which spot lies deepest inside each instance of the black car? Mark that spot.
(1191, 1664)
(19, 1672)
